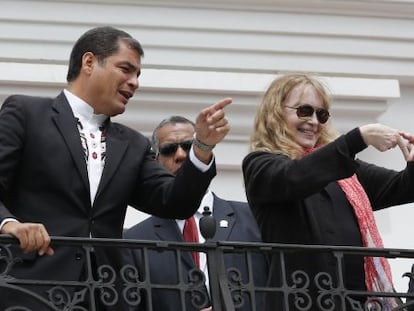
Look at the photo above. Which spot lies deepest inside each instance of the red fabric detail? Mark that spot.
(190, 234)
(367, 225)
(378, 276)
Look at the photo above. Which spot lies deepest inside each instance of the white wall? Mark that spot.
(199, 51)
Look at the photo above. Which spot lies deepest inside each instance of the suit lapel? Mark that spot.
(66, 124)
(115, 150)
(167, 230)
(225, 218)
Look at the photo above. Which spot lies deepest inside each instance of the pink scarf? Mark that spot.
(377, 269)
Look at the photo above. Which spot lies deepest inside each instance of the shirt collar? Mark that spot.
(207, 201)
(84, 112)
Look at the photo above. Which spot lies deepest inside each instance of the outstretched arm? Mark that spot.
(211, 127)
(380, 136)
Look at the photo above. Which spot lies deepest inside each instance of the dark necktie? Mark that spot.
(190, 234)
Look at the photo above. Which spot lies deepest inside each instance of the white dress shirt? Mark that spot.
(95, 148)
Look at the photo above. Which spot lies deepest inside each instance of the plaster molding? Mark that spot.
(168, 92)
(381, 8)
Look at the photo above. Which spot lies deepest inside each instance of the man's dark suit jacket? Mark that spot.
(163, 266)
(43, 179)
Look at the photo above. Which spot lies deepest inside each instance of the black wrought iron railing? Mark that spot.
(126, 286)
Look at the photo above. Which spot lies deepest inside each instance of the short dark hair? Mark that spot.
(102, 42)
(155, 142)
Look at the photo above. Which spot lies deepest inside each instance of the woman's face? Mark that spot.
(305, 130)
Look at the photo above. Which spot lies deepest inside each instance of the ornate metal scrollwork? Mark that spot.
(300, 290)
(7, 261)
(236, 286)
(131, 292)
(106, 285)
(64, 300)
(326, 291)
(196, 288)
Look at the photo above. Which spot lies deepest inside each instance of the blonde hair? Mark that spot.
(270, 131)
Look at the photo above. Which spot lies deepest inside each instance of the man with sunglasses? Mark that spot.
(171, 141)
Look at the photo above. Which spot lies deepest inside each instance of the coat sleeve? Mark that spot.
(271, 178)
(386, 187)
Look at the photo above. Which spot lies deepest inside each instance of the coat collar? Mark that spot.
(224, 214)
(168, 230)
(116, 146)
(66, 124)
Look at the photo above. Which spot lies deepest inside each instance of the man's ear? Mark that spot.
(88, 62)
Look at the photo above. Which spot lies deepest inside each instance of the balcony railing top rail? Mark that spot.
(119, 285)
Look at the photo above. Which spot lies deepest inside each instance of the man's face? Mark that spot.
(112, 82)
(170, 134)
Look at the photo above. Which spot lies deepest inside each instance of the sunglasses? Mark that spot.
(306, 111)
(169, 149)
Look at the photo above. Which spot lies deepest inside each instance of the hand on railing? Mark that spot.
(32, 236)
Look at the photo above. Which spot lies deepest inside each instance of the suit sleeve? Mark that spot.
(12, 133)
(163, 195)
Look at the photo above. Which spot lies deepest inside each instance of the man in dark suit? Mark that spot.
(171, 141)
(67, 170)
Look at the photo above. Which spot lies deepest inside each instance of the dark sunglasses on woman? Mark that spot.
(306, 111)
(169, 149)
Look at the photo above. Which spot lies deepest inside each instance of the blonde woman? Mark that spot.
(305, 186)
